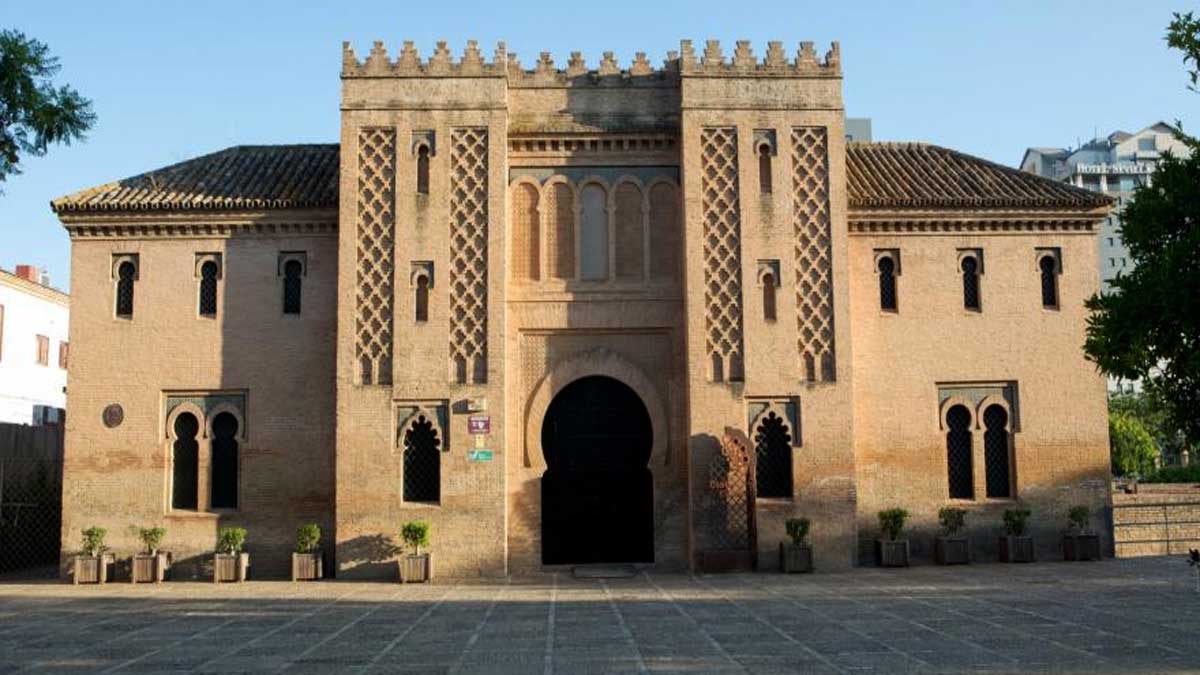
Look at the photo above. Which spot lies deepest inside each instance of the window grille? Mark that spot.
(773, 446)
(887, 284)
(422, 462)
(292, 283)
(185, 463)
(422, 300)
(224, 486)
(958, 453)
(208, 288)
(996, 452)
(768, 297)
(125, 274)
(970, 278)
(1049, 281)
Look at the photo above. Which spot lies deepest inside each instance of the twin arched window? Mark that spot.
(223, 462)
(997, 452)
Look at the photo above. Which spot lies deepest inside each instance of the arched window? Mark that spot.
(773, 447)
(208, 288)
(1049, 268)
(958, 453)
(970, 280)
(887, 284)
(764, 169)
(593, 234)
(526, 233)
(422, 302)
(560, 235)
(185, 463)
(630, 239)
(664, 231)
(422, 462)
(768, 297)
(423, 170)
(292, 281)
(996, 452)
(224, 486)
(125, 277)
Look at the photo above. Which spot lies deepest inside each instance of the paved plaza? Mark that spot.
(1118, 615)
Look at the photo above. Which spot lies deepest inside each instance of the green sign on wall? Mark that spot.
(479, 455)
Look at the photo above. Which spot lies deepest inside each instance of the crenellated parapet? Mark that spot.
(710, 62)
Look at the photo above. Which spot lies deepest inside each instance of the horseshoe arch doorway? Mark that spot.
(597, 491)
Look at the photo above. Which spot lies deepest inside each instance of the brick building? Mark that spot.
(527, 306)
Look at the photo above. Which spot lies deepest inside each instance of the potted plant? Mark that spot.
(417, 566)
(1014, 545)
(306, 561)
(150, 566)
(1079, 543)
(950, 549)
(93, 561)
(230, 561)
(892, 551)
(797, 556)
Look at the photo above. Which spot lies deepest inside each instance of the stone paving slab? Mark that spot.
(1113, 616)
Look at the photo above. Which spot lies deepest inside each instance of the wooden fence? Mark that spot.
(31, 459)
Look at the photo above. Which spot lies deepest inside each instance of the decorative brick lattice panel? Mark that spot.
(730, 481)
(376, 254)
(468, 255)
(722, 252)
(814, 252)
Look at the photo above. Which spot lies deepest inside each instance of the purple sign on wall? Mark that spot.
(479, 424)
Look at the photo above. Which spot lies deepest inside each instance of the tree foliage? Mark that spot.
(34, 113)
(1133, 448)
(1147, 326)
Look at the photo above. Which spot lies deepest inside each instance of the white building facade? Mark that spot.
(33, 348)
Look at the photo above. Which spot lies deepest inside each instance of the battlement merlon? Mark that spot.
(684, 63)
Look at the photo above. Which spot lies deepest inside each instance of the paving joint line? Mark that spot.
(548, 659)
(313, 647)
(387, 649)
(612, 603)
(707, 636)
(462, 654)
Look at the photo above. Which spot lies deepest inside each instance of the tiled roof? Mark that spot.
(241, 177)
(915, 175)
(881, 175)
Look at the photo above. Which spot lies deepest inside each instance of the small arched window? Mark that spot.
(887, 284)
(185, 463)
(773, 447)
(423, 170)
(996, 452)
(208, 288)
(764, 169)
(422, 299)
(958, 453)
(768, 296)
(422, 462)
(970, 281)
(125, 278)
(1049, 270)
(292, 282)
(224, 486)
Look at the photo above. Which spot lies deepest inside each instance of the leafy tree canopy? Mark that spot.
(1147, 326)
(34, 113)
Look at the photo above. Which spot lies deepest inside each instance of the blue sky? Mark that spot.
(171, 80)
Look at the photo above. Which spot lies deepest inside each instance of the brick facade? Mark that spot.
(632, 224)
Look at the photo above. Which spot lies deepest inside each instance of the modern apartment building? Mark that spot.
(33, 348)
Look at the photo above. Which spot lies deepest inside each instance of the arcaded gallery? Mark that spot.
(596, 312)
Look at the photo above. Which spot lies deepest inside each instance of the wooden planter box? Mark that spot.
(952, 550)
(145, 568)
(416, 568)
(307, 566)
(795, 558)
(92, 569)
(1081, 547)
(230, 567)
(891, 553)
(1016, 549)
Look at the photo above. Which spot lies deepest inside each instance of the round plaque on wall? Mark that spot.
(114, 414)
